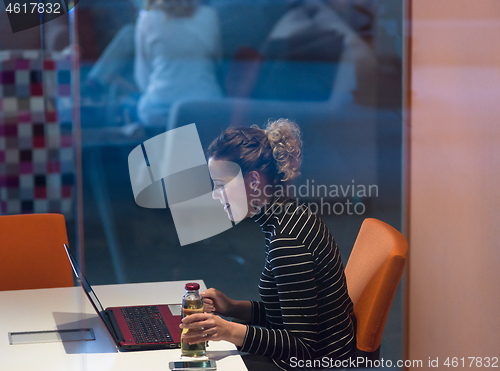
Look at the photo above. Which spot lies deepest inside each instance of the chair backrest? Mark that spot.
(373, 272)
(32, 255)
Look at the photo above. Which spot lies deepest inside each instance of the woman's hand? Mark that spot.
(206, 326)
(216, 302)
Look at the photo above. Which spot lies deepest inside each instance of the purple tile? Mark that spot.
(22, 64)
(12, 181)
(7, 77)
(26, 168)
(64, 90)
(66, 141)
(24, 117)
(10, 130)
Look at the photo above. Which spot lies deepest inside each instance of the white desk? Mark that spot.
(69, 308)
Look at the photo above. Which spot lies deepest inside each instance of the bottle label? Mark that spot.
(188, 311)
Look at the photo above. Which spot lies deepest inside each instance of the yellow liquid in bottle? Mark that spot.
(192, 350)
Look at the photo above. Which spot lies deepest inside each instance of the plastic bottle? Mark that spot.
(192, 303)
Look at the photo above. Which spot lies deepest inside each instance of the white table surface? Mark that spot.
(69, 308)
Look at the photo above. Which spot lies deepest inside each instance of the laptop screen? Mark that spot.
(90, 293)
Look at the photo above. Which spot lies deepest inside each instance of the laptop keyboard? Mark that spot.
(146, 324)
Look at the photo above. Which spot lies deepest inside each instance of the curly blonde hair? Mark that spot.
(284, 137)
(274, 151)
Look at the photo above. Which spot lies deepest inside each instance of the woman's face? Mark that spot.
(230, 188)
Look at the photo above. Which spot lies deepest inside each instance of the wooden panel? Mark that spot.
(454, 175)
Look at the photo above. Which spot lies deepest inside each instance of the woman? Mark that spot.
(306, 312)
(177, 43)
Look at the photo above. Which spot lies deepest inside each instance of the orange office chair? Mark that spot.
(373, 272)
(32, 255)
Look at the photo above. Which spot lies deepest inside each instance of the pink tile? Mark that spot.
(66, 191)
(53, 167)
(24, 117)
(66, 141)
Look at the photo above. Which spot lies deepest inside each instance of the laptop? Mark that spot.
(136, 327)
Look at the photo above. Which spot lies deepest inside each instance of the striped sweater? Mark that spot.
(305, 310)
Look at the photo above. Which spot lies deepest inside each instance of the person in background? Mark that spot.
(312, 20)
(306, 312)
(177, 43)
(116, 61)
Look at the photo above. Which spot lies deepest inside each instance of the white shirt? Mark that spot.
(175, 56)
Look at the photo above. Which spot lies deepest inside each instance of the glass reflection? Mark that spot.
(146, 67)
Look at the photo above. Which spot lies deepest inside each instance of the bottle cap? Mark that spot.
(192, 286)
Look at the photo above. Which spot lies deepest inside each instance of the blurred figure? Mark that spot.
(115, 60)
(109, 95)
(176, 45)
(315, 28)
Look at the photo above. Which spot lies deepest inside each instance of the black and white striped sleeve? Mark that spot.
(292, 266)
(258, 314)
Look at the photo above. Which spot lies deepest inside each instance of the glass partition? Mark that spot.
(37, 112)
(333, 67)
(148, 68)
(39, 119)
